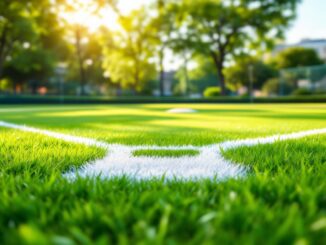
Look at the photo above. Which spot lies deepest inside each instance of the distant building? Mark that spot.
(319, 45)
(168, 84)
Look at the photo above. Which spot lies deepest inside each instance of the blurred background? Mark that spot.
(162, 48)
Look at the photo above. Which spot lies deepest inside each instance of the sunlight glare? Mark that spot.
(86, 14)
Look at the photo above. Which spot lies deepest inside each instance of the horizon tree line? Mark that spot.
(34, 39)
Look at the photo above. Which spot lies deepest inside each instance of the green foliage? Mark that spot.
(90, 60)
(131, 56)
(22, 27)
(128, 54)
(203, 75)
(296, 57)
(161, 27)
(200, 77)
(31, 42)
(16, 26)
(32, 63)
(182, 86)
(302, 91)
(275, 86)
(224, 30)
(238, 75)
(212, 92)
(4, 84)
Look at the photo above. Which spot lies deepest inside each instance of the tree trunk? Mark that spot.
(1, 66)
(80, 61)
(1, 70)
(3, 41)
(187, 90)
(221, 78)
(219, 65)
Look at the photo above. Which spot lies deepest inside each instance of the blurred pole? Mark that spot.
(310, 79)
(61, 72)
(251, 83)
(62, 97)
(281, 87)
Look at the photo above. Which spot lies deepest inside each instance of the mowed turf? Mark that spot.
(151, 124)
(282, 200)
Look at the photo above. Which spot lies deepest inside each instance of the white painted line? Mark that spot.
(271, 139)
(119, 161)
(65, 137)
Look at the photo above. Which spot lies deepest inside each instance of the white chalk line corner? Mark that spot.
(120, 161)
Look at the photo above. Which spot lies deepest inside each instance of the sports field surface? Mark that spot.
(278, 196)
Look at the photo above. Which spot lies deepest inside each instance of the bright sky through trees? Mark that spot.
(85, 13)
(309, 23)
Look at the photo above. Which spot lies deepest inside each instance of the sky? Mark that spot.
(310, 23)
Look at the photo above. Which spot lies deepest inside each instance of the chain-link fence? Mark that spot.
(303, 80)
(297, 81)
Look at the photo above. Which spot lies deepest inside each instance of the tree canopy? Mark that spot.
(130, 49)
(296, 57)
(247, 68)
(31, 40)
(128, 52)
(225, 29)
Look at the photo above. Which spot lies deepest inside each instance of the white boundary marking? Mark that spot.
(119, 161)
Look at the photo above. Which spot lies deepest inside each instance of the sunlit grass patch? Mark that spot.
(165, 153)
(151, 125)
(280, 201)
(307, 155)
(22, 153)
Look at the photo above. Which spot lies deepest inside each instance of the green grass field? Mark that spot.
(281, 201)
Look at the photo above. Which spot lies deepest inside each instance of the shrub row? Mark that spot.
(143, 100)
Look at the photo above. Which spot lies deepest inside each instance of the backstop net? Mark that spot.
(303, 80)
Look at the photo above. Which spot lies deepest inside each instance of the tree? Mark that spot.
(238, 75)
(31, 65)
(128, 53)
(17, 27)
(162, 28)
(88, 68)
(275, 86)
(31, 40)
(201, 76)
(296, 57)
(74, 14)
(182, 47)
(225, 29)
